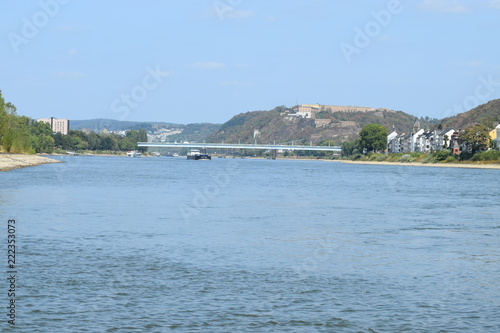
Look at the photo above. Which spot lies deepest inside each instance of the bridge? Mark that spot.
(238, 146)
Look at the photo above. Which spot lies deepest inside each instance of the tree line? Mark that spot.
(78, 140)
(474, 141)
(21, 134)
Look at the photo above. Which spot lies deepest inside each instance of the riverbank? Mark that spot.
(16, 161)
(438, 165)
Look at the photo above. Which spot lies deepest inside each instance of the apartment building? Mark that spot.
(57, 125)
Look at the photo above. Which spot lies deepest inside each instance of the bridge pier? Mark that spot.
(274, 154)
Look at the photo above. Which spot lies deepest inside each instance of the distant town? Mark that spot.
(418, 139)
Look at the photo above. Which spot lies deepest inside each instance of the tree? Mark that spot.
(3, 119)
(373, 138)
(41, 137)
(58, 139)
(445, 139)
(142, 137)
(109, 142)
(349, 148)
(94, 141)
(127, 144)
(15, 136)
(475, 138)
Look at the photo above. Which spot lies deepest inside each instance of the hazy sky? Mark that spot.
(187, 61)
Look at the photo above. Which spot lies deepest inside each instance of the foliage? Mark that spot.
(405, 158)
(15, 136)
(398, 120)
(195, 132)
(190, 132)
(350, 148)
(274, 126)
(475, 138)
(373, 138)
(490, 155)
(117, 125)
(429, 159)
(78, 141)
(451, 159)
(20, 134)
(357, 157)
(485, 114)
(329, 143)
(441, 155)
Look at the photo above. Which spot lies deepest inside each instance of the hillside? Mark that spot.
(392, 120)
(190, 132)
(280, 126)
(272, 126)
(486, 114)
(194, 132)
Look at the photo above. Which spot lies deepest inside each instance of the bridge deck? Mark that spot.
(237, 146)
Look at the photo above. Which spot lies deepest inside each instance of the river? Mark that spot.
(116, 244)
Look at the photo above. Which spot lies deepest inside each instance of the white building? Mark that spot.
(415, 141)
(443, 139)
(393, 142)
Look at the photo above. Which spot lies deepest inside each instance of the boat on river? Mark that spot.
(196, 154)
(133, 153)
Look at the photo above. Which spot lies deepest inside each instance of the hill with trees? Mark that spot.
(20, 134)
(190, 132)
(279, 125)
(272, 126)
(111, 125)
(487, 114)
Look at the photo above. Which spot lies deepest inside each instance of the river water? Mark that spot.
(115, 244)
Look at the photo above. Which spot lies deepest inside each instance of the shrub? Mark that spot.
(441, 155)
(465, 155)
(357, 157)
(429, 159)
(416, 154)
(490, 155)
(450, 159)
(405, 158)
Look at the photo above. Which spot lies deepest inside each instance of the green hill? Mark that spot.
(190, 132)
(392, 120)
(279, 126)
(273, 127)
(98, 125)
(282, 125)
(486, 114)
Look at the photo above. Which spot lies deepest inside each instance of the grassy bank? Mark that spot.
(487, 159)
(420, 164)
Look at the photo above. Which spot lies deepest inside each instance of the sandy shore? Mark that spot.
(16, 161)
(436, 165)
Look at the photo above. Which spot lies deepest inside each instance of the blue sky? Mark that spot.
(186, 61)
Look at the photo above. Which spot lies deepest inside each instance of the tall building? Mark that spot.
(57, 125)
